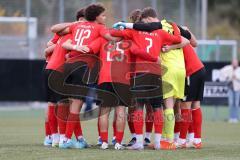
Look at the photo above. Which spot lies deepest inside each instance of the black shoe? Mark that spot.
(132, 142)
(146, 141)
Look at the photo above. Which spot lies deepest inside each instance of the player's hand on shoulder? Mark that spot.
(119, 25)
(166, 48)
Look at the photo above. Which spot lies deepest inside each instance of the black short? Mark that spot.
(81, 78)
(114, 94)
(194, 87)
(147, 88)
(51, 95)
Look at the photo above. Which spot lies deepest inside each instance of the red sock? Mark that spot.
(119, 137)
(138, 121)
(177, 127)
(62, 116)
(149, 122)
(190, 129)
(197, 122)
(52, 119)
(158, 121)
(47, 129)
(104, 136)
(78, 129)
(98, 127)
(186, 119)
(114, 127)
(71, 124)
(130, 122)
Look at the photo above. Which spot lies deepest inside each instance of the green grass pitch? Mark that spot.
(22, 133)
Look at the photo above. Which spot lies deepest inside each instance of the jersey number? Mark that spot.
(81, 35)
(149, 45)
(119, 59)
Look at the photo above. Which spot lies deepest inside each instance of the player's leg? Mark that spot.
(103, 124)
(169, 122)
(190, 136)
(185, 123)
(52, 119)
(158, 124)
(114, 127)
(196, 87)
(72, 121)
(131, 125)
(120, 126)
(148, 124)
(48, 134)
(197, 124)
(177, 127)
(62, 115)
(138, 126)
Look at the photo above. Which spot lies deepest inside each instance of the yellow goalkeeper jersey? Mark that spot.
(173, 69)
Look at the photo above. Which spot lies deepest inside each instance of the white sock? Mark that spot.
(62, 138)
(197, 140)
(133, 135)
(157, 139)
(181, 141)
(55, 137)
(139, 138)
(190, 137)
(148, 135)
(176, 136)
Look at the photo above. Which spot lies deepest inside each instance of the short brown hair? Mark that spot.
(93, 11)
(80, 13)
(149, 12)
(135, 15)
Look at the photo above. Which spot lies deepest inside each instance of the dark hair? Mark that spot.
(135, 15)
(149, 12)
(80, 13)
(93, 10)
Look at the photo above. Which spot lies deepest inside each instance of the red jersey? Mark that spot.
(55, 38)
(192, 62)
(54, 41)
(83, 33)
(151, 42)
(58, 57)
(116, 59)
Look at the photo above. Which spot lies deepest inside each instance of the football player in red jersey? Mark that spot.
(82, 34)
(51, 127)
(55, 64)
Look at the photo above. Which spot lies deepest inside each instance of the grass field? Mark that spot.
(22, 133)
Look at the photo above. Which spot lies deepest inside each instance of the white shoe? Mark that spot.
(47, 141)
(157, 146)
(104, 146)
(190, 144)
(55, 140)
(136, 146)
(119, 146)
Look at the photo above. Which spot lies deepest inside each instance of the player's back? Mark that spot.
(85, 32)
(115, 58)
(192, 61)
(151, 42)
(58, 55)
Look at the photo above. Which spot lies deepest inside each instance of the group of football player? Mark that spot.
(144, 63)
